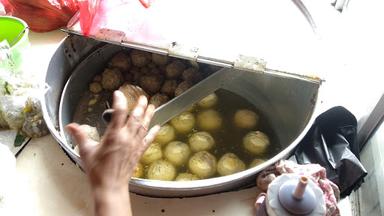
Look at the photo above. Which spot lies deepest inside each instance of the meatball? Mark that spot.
(182, 87)
(208, 102)
(140, 58)
(161, 170)
(153, 153)
(177, 153)
(201, 141)
(186, 177)
(209, 120)
(111, 79)
(121, 61)
(132, 94)
(174, 69)
(256, 142)
(184, 122)
(202, 164)
(192, 75)
(245, 119)
(229, 163)
(139, 171)
(158, 99)
(151, 83)
(95, 87)
(256, 162)
(159, 59)
(169, 87)
(165, 135)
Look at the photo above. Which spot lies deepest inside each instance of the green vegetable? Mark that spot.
(19, 140)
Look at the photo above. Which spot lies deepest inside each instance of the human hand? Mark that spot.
(110, 163)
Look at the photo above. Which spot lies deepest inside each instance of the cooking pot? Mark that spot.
(288, 100)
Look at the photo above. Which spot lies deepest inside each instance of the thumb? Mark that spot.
(81, 138)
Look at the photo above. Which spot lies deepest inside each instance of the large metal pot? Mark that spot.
(288, 100)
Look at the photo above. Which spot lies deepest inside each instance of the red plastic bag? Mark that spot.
(42, 15)
(93, 12)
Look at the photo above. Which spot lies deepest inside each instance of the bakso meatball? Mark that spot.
(208, 102)
(140, 58)
(151, 83)
(95, 87)
(209, 120)
(256, 162)
(111, 79)
(165, 135)
(132, 94)
(192, 75)
(138, 172)
(158, 99)
(161, 170)
(202, 164)
(245, 119)
(153, 153)
(182, 87)
(177, 153)
(229, 163)
(186, 177)
(169, 87)
(201, 141)
(159, 59)
(174, 69)
(121, 61)
(256, 142)
(184, 122)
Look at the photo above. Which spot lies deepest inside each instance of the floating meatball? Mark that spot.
(182, 87)
(151, 83)
(139, 171)
(208, 102)
(201, 141)
(161, 170)
(169, 87)
(111, 79)
(153, 153)
(245, 119)
(158, 99)
(174, 69)
(184, 122)
(95, 87)
(256, 142)
(165, 135)
(121, 61)
(256, 162)
(186, 177)
(192, 75)
(159, 59)
(132, 94)
(229, 163)
(202, 164)
(177, 153)
(209, 120)
(140, 58)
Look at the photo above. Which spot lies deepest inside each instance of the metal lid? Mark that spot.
(248, 34)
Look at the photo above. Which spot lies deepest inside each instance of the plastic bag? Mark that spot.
(42, 15)
(331, 143)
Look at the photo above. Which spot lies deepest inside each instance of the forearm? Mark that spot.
(112, 202)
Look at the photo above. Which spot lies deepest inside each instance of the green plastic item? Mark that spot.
(15, 31)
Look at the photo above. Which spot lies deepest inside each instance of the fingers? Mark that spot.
(120, 113)
(146, 120)
(81, 138)
(151, 135)
(136, 118)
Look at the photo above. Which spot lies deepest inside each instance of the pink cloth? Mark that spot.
(317, 174)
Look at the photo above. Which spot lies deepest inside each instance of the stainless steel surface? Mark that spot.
(289, 103)
(280, 32)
